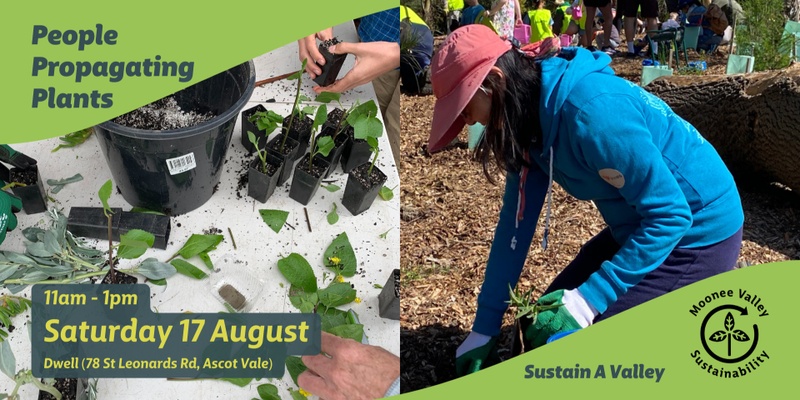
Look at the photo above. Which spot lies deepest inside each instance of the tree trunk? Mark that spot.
(752, 120)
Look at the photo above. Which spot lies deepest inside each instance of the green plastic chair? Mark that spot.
(690, 36)
(792, 30)
(671, 38)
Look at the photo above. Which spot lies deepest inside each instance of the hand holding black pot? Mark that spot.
(308, 51)
(373, 59)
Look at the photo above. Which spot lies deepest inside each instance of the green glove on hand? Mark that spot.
(15, 158)
(9, 204)
(478, 358)
(572, 312)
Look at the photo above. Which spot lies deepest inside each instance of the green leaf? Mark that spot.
(331, 188)
(206, 260)
(386, 193)
(59, 184)
(298, 272)
(333, 217)
(320, 117)
(154, 269)
(143, 210)
(295, 367)
(38, 249)
(367, 127)
(8, 364)
(373, 143)
(302, 300)
(296, 395)
(297, 73)
(75, 138)
(275, 219)
(377, 286)
(341, 249)
(198, 244)
(104, 194)
(383, 235)
(307, 110)
(158, 282)
(186, 268)
(327, 97)
(349, 331)
(361, 112)
(268, 392)
(241, 382)
(324, 145)
(337, 294)
(134, 243)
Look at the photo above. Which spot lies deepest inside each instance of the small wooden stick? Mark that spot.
(308, 221)
(233, 241)
(274, 79)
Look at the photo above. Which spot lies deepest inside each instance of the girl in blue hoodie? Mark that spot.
(673, 211)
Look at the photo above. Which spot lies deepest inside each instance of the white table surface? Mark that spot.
(257, 246)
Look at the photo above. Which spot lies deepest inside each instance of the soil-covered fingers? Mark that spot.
(325, 34)
(372, 60)
(307, 49)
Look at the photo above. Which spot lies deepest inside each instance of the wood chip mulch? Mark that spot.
(448, 215)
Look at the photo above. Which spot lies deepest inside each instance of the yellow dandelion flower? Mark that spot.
(339, 278)
(304, 393)
(335, 260)
(357, 300)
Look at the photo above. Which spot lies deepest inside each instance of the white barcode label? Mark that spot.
(181, 164)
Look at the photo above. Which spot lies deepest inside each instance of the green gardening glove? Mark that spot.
(559, 311)
(15, 158)
(478, 358)
(9, 204)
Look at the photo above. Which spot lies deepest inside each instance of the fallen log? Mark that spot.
(753, 120)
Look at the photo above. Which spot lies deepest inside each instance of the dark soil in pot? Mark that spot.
(362, 188)
(33, 193)
(333, 63)
(252, 127)
(119, 278)
(287, 152)
(300, 131)
(66, 386)
(262, 183)
(26, 176)
(163, 114)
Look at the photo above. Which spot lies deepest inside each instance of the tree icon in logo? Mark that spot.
(729, 332)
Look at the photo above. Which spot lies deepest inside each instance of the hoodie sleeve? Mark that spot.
(509, 247)
(622, 151)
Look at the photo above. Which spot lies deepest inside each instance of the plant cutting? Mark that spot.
(298, 124)
(365, 122)
(311, 170)
(364, 183)
(261, 122)
(336, 127)
(263, 176)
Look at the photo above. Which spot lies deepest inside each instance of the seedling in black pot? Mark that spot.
(365, 122)
(264, 171)
(298, 125)
(337, 128)
(261, 122)
(333, 63)
(309, 172)
(365, 181)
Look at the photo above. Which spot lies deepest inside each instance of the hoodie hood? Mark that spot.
(560, 74)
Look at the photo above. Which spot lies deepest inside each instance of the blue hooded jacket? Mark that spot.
(655, 180)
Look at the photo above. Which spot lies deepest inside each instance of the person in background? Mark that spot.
(471, 12)
(505, 14)
(613, 39)
(453, 11)
(605, 7)
(414, 61)
(695, 14)
(377, 61)
(630, 10)
(671, 206)
(540, 19)
(347, 369)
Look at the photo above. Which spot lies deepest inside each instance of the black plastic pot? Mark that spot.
(305, 183)
(389, 299)
(355, 153)
(339, 144)
(301, 132)
(248, 126)
(333, 64)
(91, 222)
(146, 164)
(361, 190)
(261, 186)
(288, 154)
(70, 388)
(32, 195)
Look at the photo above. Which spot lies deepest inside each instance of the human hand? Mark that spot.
(9, 204)
(373, 59)
(352, 370)
(476, 352)
(561, 311)
(308, 50)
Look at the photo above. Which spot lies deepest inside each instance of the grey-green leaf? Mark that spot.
(275, 219)
(198, 244)
(186, 268)
(298, 272)
(341, 249)
(8, 364)
(59, 184)
(331, 188)
(337, 294)
(333, 216)
(151, 268)
(295, 367)
(38, 249)
(386, 193)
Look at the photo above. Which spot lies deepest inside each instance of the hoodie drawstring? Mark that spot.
(523, 176)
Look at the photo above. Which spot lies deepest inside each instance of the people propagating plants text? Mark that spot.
(672, 208)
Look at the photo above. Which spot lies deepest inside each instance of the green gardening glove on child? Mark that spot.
(563, 311)
(9, 204)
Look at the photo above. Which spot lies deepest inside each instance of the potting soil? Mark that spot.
(66, 386)
(360, 173)
(163, 114)
(26, 176)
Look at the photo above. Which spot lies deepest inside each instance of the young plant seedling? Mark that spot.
(297, 113)
(104, 194)
(323, 145)
(333, 216)
(525, 305)
(267, 123)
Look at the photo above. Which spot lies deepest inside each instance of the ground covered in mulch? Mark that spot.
(448, 215)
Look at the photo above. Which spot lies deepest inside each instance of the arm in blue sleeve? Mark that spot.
(509, 248)
(626, 145)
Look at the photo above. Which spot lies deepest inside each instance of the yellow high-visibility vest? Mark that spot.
(406, 12)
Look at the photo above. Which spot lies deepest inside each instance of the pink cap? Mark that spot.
(457, 70)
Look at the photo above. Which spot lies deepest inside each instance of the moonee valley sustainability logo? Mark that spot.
(730, 344)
